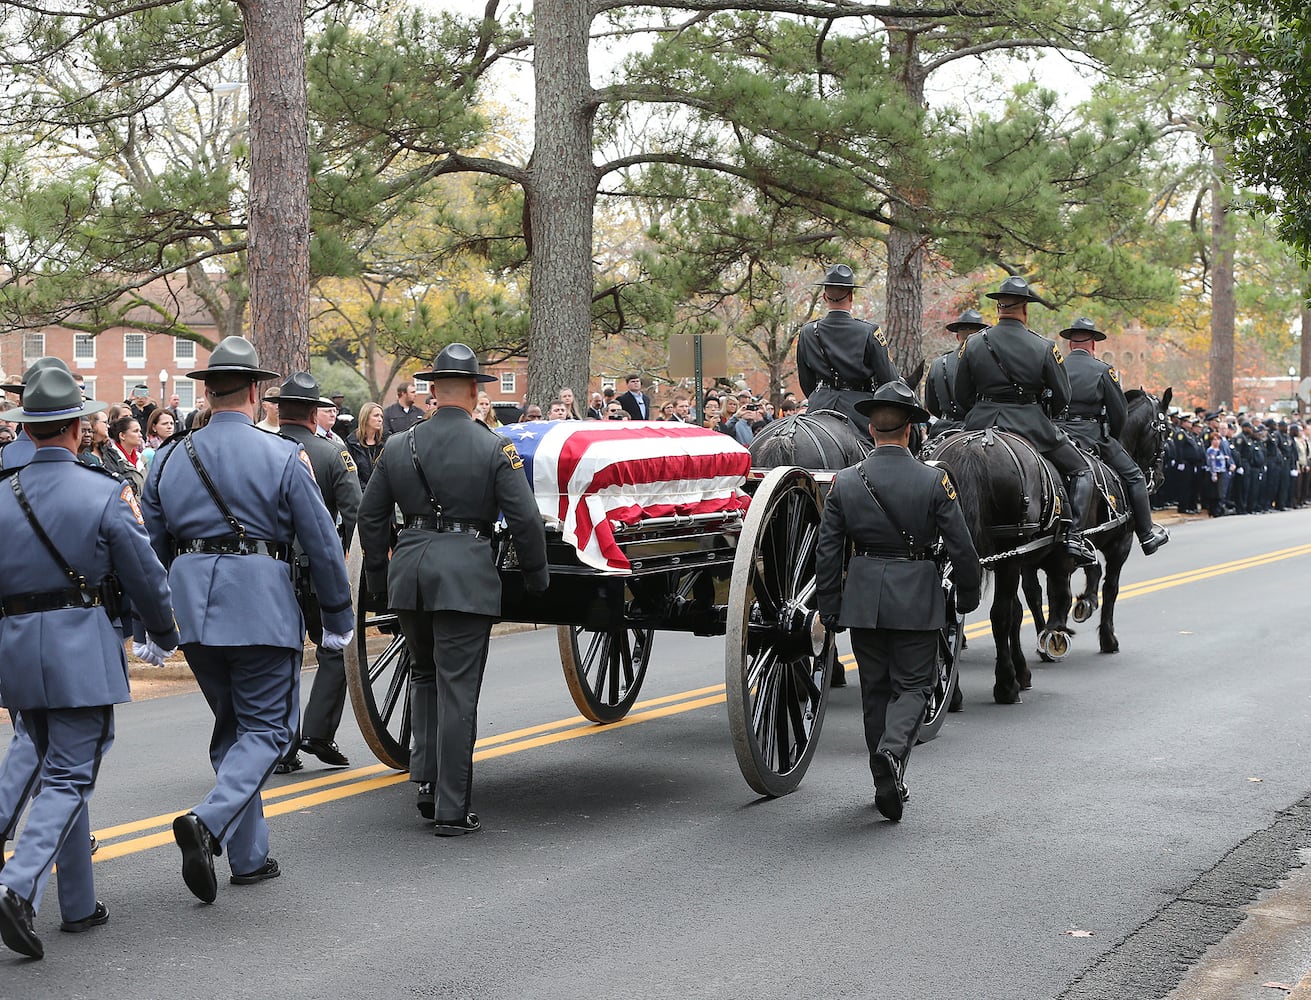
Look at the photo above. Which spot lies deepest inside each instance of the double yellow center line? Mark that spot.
(154, 831)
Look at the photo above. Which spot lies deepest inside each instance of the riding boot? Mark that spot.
(1079, 488)
(1150, 535)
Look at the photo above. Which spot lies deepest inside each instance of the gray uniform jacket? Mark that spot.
(18, 452)
(840, 361)
(244, 600)
(334, 471)
(892, 591)
(1098, 408)
(940, 390)
(73, 657)
(990, 397)
(475, 474)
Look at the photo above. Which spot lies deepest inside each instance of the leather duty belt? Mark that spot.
(919, 555)
(429, 522)
(53, 600)
(842, 385)
(1075, 418)
(232, 545)
(1011, 399)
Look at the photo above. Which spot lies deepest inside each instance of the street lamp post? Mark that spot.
(1292, 389)
(163, 384)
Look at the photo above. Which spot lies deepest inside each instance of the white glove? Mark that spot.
(139, 650)
(331, 640)
(1241, 471)
(152, 653)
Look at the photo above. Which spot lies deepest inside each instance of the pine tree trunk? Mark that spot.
(1222, 285)
(561, 193)
(1304, 357)
(279, 213)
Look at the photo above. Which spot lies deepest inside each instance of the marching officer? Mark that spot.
(73, 536)
(334, 471)
(20, 450)
(893, 509)
(940, 389)
(840, 359)
(1095, 418)
(450, 475)
(227, 501)
(1007, 374)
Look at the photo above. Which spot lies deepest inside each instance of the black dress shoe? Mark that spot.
(427, 803)
(100, 915)
(887, 785)
(326, 750)
(457, 827)
(16, 930)
(198, 850)
(264, 872)
(95, 844)
(288, 764)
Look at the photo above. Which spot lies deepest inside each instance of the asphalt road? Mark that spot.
(633, 861)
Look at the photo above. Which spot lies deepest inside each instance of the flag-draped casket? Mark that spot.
(589, 475)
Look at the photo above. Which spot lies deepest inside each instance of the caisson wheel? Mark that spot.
(378, 675)
(604, 670)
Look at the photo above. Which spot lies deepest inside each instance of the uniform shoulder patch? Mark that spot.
(348, 460)
(1060, 360)
(129, 497)
(512, 453)
(949, 486)
(1115, 376)
(878, 335)
(304, 457)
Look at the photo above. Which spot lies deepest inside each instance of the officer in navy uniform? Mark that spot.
(450, 475)
(73, 534)
(893, 508)
(339, 482)
(227, 501)
(1007, 374)
(940, 387)
(1095, 418)
(840, 359)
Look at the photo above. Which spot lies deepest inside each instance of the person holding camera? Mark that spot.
(748, 419)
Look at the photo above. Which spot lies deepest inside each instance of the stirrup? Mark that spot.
(1080, 550)
(1157, 537)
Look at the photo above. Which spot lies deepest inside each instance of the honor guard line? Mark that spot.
(357, 781)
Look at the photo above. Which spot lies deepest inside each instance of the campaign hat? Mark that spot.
(839, 276)
(970, 319)
(300, 387)
(455, 361)
(38, 365)
(234, 356)
(896, 394)
(1083, 325)
(1014, 287)
(52, 394)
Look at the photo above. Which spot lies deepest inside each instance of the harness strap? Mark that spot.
(237, 527)
(953, 408)
(77, 579)
(906, 535)
(427, 488)
(1005, 372)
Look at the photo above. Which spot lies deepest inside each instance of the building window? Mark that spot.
(88, 387)
(507, 383)
(421, 389)
(1108, 357)
(607, 383)
(34, 346)
(1126, 357)
(186, 390)
(134, 350)
(183, 350)
(84, 350)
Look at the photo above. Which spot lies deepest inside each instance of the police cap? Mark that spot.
(52, 394)
(895, 395)
(1083, 329)
(455, 361)
(970, 319)
(234, 356)
(1014, 287)
(38, 365)
(300, 387)
(839, 276)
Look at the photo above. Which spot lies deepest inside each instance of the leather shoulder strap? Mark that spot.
(237, 527)
(906, 536)
(76, 578)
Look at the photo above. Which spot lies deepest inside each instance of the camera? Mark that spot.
(140, 392)
(615, 416)
(753, 407)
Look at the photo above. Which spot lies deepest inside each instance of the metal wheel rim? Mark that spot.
(379, 690)
(606, 677)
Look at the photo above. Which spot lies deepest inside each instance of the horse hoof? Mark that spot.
(1083, 609)
(1006, 697)
(1054, 645)
(1113, 646)
(1044, 657)
(957, 700)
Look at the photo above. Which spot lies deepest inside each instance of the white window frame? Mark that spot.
(184, 350)
(608, 383)
(421, 388)
(90, 387)
(509, 380)
(130, 362)
(84, 340)
(31, 341)
(186, 391)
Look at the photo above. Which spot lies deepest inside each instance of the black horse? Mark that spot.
(1109, 526)
(1012, 500)
(823, 440)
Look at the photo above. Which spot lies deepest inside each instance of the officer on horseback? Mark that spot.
(841, 360)
(940, 387)
(1006, 375)
(1096, 416)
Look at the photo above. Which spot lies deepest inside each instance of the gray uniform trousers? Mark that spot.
(70, 743)
(18, 774)
(252, 691)
(896, 679)
(327, 700)
(449, 649)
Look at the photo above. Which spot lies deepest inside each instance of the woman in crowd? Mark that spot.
(365, 441)
(85, 452)
(124, 454)
(485, 411)
(567, 397)
(710, 413)
(159, 428)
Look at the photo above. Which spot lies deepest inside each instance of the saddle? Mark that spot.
(1107, 483)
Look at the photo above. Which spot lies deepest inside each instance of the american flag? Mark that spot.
(588, 475)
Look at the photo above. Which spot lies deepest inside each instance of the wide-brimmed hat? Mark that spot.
(234, 356)
(1084, 326)
(40, 364)
(52, 394)
(839, 276)
(455, 361)
(1014, 287)
(300, 387)
(898, 394)
(970, 319)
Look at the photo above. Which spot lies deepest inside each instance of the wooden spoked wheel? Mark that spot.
(378, 675)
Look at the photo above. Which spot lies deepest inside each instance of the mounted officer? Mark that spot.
(73, 536)
(226, 502)
(892, 508)
(1095, 418)
(451, 476)
(1006, 376)
(940, 387)
(840, 359)
(334, 470)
